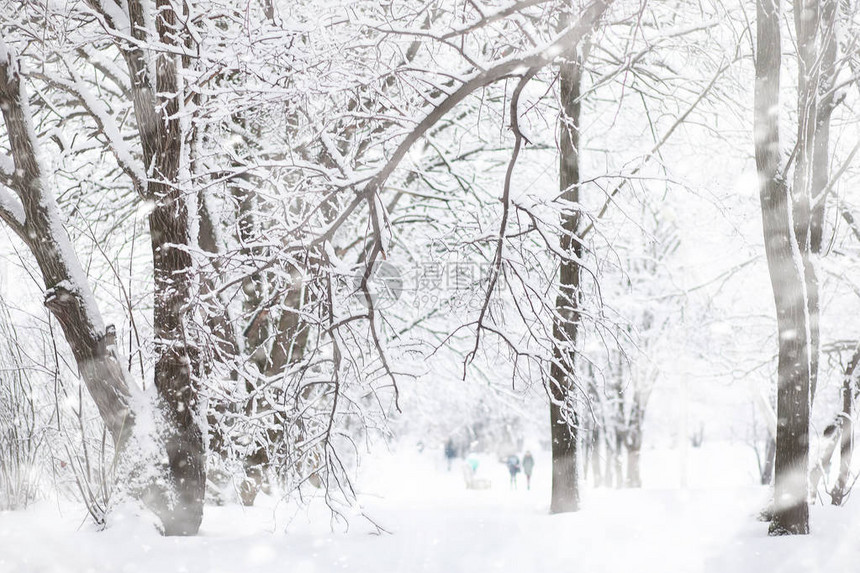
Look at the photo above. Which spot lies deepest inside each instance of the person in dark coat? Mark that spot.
(513, 464)
(528, 467)
(450, 452)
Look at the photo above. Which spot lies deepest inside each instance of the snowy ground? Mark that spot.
(437, 525)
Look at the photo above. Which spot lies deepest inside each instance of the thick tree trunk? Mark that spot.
(177, 356)
(565, 481)
(563, 416)
(791, 512)
(176, 366)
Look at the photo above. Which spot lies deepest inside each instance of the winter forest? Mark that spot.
(429, 285)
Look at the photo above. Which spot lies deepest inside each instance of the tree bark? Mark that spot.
(563, 416)
(826, 105)
(791, 512)
(156, 107)
(218, 320)
(808, 160)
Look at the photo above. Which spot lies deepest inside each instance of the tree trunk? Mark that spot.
(256, 335)
(846, 446)
(585, 448)
(594, 436)
(562, 412)
(176, 366)
(822, 468)
(846, 449)
(618, 457)
(633, 436)
(592, 454)
(634, 478)
(810, 167)
(177, 357)
(218, 320)
(769, 455)
(272, 350)
(818, 149)
(563, 416)
(565, 481)
(838, 432)
(791, 512)
(826, 104)
(595, 458)
(68, 295)
(609, 460)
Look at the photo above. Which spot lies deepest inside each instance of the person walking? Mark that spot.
(514, 468)
(450, 452)
(528, 467)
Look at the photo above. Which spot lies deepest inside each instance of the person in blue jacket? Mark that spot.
(513, 464)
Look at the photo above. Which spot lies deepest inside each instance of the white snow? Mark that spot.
(437, 525)
(7, 165)
(12, 205)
